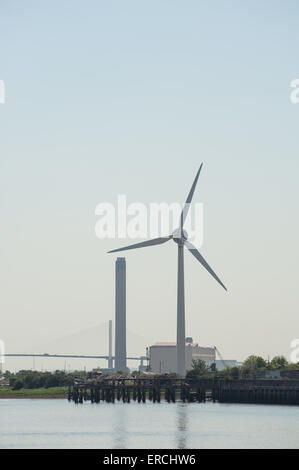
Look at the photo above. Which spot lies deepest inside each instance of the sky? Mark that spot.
(108, 98)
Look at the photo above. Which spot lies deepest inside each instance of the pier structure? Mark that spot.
(186, 390)
(283, 392)
(138, 389)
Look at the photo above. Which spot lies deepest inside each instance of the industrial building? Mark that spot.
(163, 356)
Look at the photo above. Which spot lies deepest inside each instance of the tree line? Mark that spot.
(35, 379)
(252, 367)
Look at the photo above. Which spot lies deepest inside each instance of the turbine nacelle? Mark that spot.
(180, 236)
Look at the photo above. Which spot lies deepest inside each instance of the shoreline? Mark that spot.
(41, 395)
(51, 392)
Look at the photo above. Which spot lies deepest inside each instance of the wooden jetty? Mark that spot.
(190, 390)
(282, 392)
(139, 390)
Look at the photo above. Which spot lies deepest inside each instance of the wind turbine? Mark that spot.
(180, 237)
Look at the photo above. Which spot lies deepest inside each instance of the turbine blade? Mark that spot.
(201, 259)
(189, 199)
(154, 241)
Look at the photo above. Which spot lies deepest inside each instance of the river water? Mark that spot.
(57, 423)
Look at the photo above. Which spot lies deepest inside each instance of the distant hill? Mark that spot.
(92, 340)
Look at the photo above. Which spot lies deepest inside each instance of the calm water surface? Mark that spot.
(42, 423)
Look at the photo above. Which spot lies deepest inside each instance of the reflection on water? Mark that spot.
(33, 423)
(120, 433)
(181, 425)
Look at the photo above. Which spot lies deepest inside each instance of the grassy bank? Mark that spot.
(52, 392)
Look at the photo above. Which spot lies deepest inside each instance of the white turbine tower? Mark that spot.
(180, 237)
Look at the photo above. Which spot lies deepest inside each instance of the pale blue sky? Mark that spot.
(108, 98)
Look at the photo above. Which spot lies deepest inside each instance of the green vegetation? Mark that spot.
(33, 392)
(28, 382)
(199, 370)
(253, 367)
(135, 373)
(280, 362)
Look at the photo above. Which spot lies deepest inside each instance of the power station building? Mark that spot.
(120, 315)
(163, 357)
